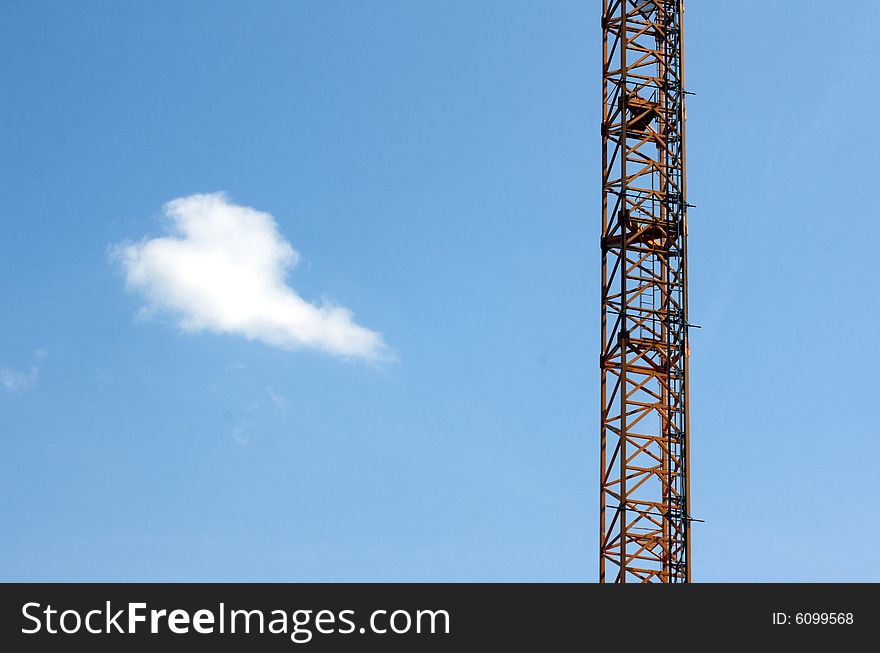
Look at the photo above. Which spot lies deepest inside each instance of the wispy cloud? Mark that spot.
(241, 432)
(14, 380)
(223, 267)
(280, 402)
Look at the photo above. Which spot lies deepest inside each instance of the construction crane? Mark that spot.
(645, 487)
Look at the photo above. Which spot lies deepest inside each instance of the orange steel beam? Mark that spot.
(644, 505)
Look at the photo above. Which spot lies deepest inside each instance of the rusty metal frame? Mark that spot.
(644, 505)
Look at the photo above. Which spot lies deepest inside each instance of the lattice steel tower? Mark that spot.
(644, 518)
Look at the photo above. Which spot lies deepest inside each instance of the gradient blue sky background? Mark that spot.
(436, 164)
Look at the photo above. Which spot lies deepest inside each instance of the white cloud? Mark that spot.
(222, 268)
(13, 380)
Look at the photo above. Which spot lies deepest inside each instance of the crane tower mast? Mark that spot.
(644, 505)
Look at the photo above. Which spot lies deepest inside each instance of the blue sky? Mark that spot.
(436, 167)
